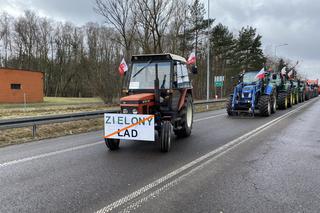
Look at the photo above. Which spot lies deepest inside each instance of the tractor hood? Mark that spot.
(137, 98)
(248, 88)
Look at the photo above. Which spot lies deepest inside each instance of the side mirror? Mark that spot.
(194, 69)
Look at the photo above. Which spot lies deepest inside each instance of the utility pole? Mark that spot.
(208, 57)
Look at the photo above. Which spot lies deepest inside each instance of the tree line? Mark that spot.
(82, 61)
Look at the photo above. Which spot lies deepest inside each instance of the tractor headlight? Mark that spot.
(242, 95)
(125, 111)
(249, 95)
(134, 111)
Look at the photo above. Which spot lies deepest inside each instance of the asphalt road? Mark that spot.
(228, 165)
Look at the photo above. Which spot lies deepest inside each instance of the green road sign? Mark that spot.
(218, 83)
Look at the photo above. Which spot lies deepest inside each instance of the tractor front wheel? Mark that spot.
(112, 144)
(283, 100)
(229, 106)
(166, 136)
(264, 105)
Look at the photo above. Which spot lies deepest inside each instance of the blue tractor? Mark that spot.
(253, 95)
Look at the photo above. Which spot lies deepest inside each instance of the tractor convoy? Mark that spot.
(263, 92)
(157, 102)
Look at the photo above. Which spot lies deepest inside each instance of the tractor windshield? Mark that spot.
(250, 77)
(144, 73)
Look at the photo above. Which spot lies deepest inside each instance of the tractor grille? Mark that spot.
(246, 94)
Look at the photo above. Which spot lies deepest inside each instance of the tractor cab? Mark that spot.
(156, 83)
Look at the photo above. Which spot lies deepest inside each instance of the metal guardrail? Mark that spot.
(50, 119)
(209, 101)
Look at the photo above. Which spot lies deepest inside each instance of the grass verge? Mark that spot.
(53, 106)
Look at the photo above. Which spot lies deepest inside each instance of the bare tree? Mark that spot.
(155, 16)
(5, 35)
(119, 14)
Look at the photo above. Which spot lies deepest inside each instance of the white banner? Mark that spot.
(129, 126)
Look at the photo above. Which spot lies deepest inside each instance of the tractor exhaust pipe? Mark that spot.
(156, 87)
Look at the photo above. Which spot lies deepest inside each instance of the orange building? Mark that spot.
(18, 86)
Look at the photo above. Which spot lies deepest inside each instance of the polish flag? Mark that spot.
(260, 74)
(192, 58)
(283, 71)
(290, 73)
(123, 67)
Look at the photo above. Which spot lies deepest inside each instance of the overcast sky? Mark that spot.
(295, 22)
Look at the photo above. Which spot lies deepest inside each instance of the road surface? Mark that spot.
(235, 164)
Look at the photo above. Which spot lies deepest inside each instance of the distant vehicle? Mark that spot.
(283, 88)
(302, 90)
(313, 90)
(252, 95)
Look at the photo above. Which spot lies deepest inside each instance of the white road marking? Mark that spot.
(207, 158)
(9, 163)
(44, 155)
(214, 116)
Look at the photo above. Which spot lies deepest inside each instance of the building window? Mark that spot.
(15, 86)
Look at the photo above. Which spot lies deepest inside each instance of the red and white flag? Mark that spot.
(123, 67)
(260, 74)
(283, 71)
(192, 58)
(290, 74)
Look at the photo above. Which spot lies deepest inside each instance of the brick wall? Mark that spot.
(29, 82)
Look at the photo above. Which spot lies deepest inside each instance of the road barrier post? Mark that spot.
(34, 130)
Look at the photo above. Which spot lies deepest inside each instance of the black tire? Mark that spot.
(264, 105)
(274, 104)
(112, 144)
(300, 97)
(290, 99)
(186, 119)
(296, 98)
(282, 100)
(229, 106)
(166, 136)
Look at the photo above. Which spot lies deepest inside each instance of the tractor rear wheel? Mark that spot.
(290, 99)
(229, 106)
(264, 105)
(300, 98)
(283, 100)
(186, 119)
(166, 136)
(112, 144)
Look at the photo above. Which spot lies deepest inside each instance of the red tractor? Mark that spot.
(159, 85)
